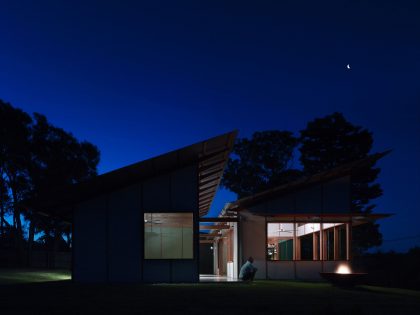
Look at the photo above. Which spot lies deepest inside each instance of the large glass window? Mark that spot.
(280, 241)
(342, 243)
(306, 241)
(168, 235)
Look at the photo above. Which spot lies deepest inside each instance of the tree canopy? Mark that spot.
(35, 158)
(264, 161)
(332, 140)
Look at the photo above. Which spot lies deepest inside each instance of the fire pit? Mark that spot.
(343, 277)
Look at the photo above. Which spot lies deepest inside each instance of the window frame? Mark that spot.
(194, 236)
(320, 241)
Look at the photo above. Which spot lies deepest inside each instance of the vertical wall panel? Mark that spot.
(109, 231)
(184, 271)
(157, 194)
(124, 243)
(284, 204)
(90, 263)
(337, 195)
(284, 270)
(184, 189)
(174, 192)
(308, 270)
(309, 200)
(156, 271)
(253, 241)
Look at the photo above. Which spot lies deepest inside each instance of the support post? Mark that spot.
(315, 245)
(348, 239)
(336, 243)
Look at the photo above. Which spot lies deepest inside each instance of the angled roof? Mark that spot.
(337, 172)
(211, 156)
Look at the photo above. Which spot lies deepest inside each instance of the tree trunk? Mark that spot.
(2, 206)
(18, 230)
(56, 243)
(69, 239)
(30, 241)
(1, 219)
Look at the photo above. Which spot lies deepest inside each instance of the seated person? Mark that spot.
(248, 271)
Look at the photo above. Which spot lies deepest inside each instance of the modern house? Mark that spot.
(294, 231)
(147, 222)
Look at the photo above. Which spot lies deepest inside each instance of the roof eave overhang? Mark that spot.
(211, 155)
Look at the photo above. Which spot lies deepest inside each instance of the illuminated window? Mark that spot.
(280, 241)
(306, 241)
(168, 235)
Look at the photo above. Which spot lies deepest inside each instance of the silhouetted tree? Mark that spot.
(36, 158)
(262, 162)
(14, 162)
(58, 160)
(4, 206)
(330, 141)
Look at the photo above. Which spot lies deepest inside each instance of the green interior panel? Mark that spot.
(286, 249)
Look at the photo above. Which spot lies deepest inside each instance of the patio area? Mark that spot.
(215, 278)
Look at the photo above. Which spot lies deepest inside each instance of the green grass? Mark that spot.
(30, 294)
(10, 276)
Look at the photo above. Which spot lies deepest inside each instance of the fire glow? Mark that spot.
(343, 269)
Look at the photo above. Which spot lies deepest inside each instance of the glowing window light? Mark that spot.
(343, 269)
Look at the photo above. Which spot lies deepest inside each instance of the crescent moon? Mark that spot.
(348, 66)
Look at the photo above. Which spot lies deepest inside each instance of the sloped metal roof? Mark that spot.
(337, 172)
(211, 156)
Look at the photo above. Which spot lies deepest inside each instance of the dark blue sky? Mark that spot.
(140, 79)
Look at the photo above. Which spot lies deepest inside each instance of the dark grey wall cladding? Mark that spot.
(185, 271)
(179, 193)
(108, 231)
(90, 241)
(309, 200)
(184, 192)
(157, 193)
(176, 191)
(330, 197)
(124, 243)
(285, 204)
(261, 207)
(337, 195)
(156, 271)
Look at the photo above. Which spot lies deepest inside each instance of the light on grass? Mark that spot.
(343, 269)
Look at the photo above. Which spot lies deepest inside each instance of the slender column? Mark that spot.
(315, 246)
(336, 243)
(294, 248)
(348, 239)
(321, 242)
(295, 256)
(321, 245)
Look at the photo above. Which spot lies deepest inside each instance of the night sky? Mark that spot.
(140, 79)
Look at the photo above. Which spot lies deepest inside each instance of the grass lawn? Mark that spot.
(40, 293)
(10, 276)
